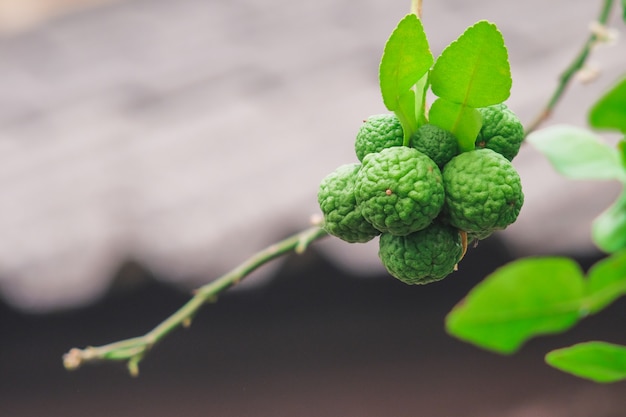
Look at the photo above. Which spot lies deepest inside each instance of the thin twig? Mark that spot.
(571, 70)
(134, 349)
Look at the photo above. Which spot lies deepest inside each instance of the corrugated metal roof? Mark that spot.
(189, 134)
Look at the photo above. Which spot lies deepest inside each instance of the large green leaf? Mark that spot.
(406, 59)
(578, 153)
(597, 361)
(464, 122)
(610, 111)
(474, 70)
(609, 229)
(525, 298)
(606, 282)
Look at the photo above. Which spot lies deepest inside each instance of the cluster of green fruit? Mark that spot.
(425, 200)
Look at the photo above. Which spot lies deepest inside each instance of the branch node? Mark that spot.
(602, 33)
(133, 365)
(73, 359)
(587, 74)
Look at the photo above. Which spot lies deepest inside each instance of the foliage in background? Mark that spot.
(536, 296)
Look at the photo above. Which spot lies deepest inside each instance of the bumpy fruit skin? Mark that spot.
(377, 133)
(483, 192)
(342, 217)
(501, 131)
(399, 190)
(422, 257)
(439, 144)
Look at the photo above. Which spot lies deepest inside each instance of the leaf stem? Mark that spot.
(416, 8)
(571, 70)
(134, 349)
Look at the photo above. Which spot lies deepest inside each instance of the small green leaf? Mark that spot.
(597, 361)
(406, 114)
(474, 70)
(606, 282)
(578, 153)
(462, 121)
(523, 299)
(624, 10)
(405, 60)
(421, 88)
(609, 229)
(610, 111)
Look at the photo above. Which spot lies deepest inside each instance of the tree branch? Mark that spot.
(572, 69)
(134, 349)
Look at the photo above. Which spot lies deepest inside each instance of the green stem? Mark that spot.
(571, 70)
(134, 349)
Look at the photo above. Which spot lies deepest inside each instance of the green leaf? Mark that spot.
(606, 282)
(624, 10)
(405, 60)
(609, 229)
(578, 153)
(421, 88)
(597, 361)
(610, 111)
(474, 70)
(523, 299)
(462, 121)
(405, 111)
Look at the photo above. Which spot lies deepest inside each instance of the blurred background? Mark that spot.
(148, 146)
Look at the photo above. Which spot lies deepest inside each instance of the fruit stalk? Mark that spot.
(416, 8)
(134, 349)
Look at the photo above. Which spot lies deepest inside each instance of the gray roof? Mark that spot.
(189, 134)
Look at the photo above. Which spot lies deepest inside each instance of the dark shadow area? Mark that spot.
(313, 342)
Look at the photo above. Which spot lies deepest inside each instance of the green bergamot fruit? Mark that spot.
(422, 257)
(439, 144)
(377, 133)
(483, 192)
(501, 131)
(342, 218)
(399, 190)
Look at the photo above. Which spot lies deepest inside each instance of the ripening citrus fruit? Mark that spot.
(342, 217)
(501, 131)
(424, 256)
(439, 144)
(483, 192)
(377, 133)
(399, 190)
